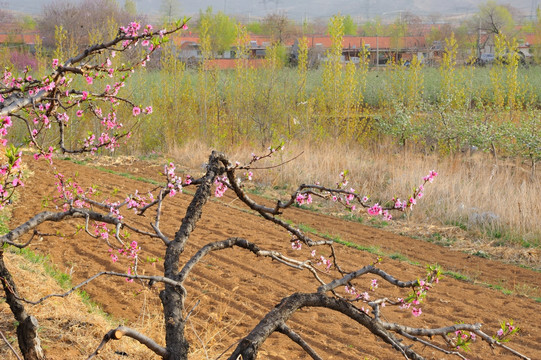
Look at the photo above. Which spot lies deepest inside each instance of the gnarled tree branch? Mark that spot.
(119, 332)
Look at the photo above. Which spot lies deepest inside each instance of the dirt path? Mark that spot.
(236, 289)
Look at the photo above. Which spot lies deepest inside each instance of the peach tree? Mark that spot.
(47, 107)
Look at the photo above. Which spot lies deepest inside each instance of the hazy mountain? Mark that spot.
(300, 9)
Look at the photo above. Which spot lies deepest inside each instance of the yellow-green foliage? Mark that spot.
(414, 82)
(364, 60)
(497, 72)
(343, 101)
(61, 38)
(330, 93)
(204, 84)
(405, 84)
(242, 89)
(276, 56)
(339, 98)
(508, 90)
(512, 63)
(449, 85)
(40, 56)
(302, 67)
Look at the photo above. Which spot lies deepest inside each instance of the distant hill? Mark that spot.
(310, 9)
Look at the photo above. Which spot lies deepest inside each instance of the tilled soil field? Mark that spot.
(236, 289)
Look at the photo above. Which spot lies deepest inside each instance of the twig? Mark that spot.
(9, 345)
(273, 166)
(197, 335)
(190, 312)
(429, 344)
(226, 350)
(110, 273)
(244, 244)
(119, 332)
(284, 329)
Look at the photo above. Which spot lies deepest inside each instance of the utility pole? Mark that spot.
(377, 50)
(479, 39)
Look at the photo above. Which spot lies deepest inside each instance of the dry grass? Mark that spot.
(73, 328)
(496, 203)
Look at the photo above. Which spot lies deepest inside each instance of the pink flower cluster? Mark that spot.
(343, 180)
(137, 201)
(71, 194)
(130, 252)
(376, 210)
(322, 261)
(364, 296)
(174, 182)
(302, 199)
(420, 291)
(101, 230)
(132, 29)
(221, 186)
(506, 330)
(5, 124)
(11, 174)
(430, 177)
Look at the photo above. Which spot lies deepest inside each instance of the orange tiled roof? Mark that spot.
(231, 63)
(384, 42)
(532, 39)
(28, 38)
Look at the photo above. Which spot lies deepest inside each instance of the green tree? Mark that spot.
(398, 30)
(80, 20)
(254, 28)
(349, 26)
(278, 26)
(170, 10)
(27, 22)
(130, 7)
(495, 19)
(372, 28)
(536, 29)
(222, 29)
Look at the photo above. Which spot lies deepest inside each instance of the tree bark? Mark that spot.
(249, 346)
(172, 296)
(29, 342)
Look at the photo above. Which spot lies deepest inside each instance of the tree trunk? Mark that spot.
(29, 343)
(172, 297)
(27, 335)
(173, 306)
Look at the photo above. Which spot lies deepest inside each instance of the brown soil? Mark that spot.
(236, 289)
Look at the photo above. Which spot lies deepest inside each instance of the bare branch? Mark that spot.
(245, 244)
(492, 341)
(367, 269)
(430, 332)
(273, 166)
(429, 344)
(249, 346)
(9, 345)
(284, 329)
(266, 212)
(156, 225)
(152, 278)
(119, 332)
(46, 216)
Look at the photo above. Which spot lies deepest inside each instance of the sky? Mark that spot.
(312, 10)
